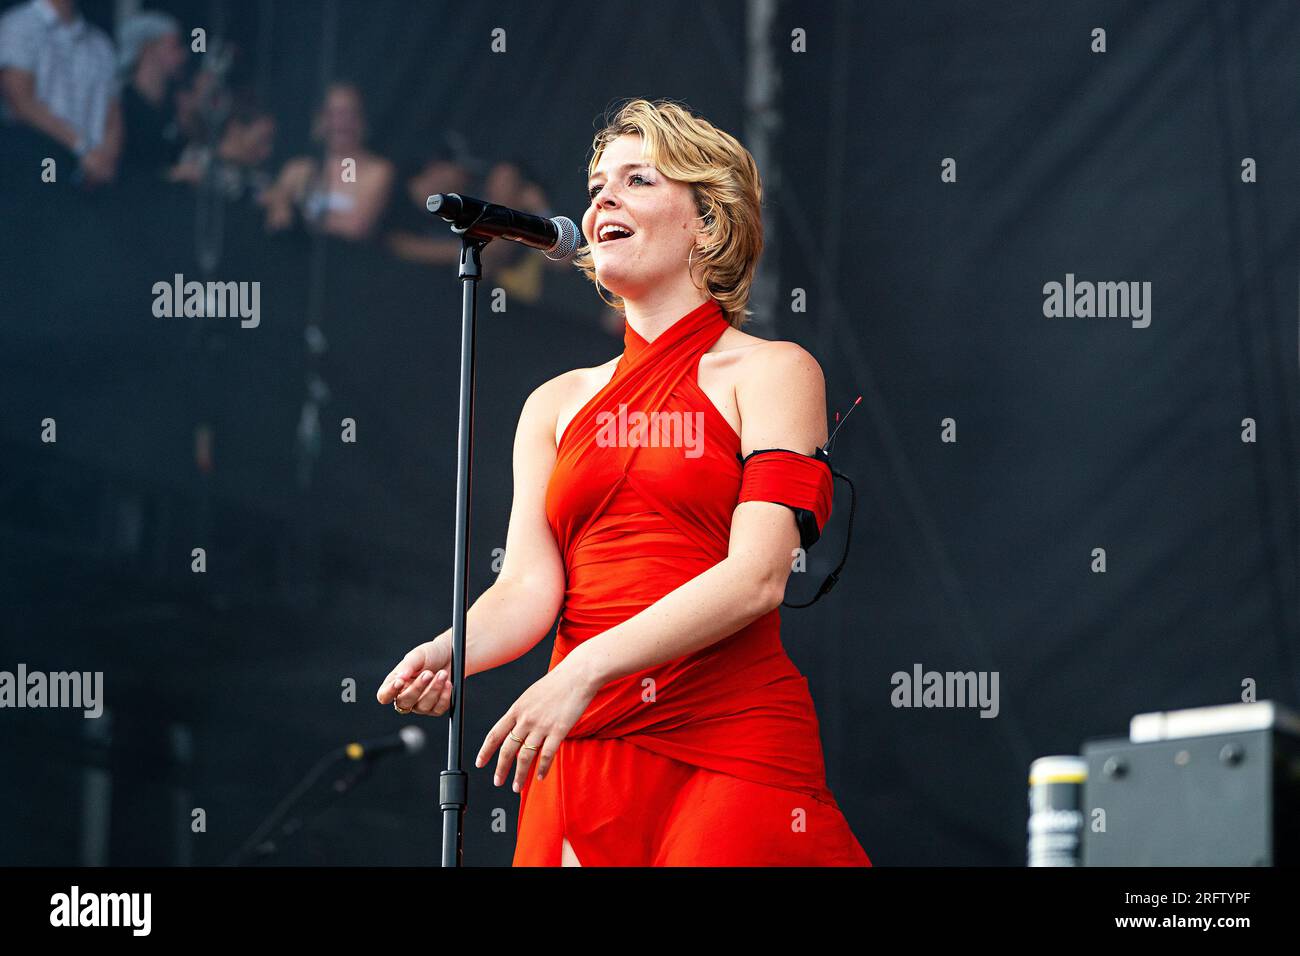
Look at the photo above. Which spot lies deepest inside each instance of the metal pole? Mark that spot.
(762, 120)
(454, 781)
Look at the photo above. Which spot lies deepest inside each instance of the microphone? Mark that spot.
(558, 238)
(409, 740)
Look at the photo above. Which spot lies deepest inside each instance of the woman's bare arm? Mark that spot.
(518, 610)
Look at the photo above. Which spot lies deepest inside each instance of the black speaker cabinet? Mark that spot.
(1212, 786)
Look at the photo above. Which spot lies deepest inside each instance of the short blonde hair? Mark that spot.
(727, 188)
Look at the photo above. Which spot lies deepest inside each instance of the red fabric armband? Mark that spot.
(801, 482)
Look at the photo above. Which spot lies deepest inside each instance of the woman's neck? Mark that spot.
(651, 315)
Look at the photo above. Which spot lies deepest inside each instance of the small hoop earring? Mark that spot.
(600, 292)
(689, 265)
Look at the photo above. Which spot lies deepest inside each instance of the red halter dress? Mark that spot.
(714, 758)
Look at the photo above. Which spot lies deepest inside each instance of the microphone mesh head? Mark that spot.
(413, 737)
(570, 239)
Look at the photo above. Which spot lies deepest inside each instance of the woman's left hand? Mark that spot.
(541, 717)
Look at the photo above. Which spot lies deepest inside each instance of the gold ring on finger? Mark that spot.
(516, 739)
(398, 709)
(532, 747)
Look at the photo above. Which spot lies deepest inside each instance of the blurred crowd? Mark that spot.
(145, 108)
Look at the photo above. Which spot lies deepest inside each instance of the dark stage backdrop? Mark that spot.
(939, 165)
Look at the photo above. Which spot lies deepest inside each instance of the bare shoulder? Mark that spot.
(776, 363)
(547, 397)
(781, 393)
(555, 401)
(578, 383)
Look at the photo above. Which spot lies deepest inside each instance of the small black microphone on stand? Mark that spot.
(363, 755)
(410, 739)
(558, 237)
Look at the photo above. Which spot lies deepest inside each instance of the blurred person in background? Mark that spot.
(239, 150)
(57, 78)
(414, 234)
(518, 269)
(150, 58)
(330, 193)
(418, 236)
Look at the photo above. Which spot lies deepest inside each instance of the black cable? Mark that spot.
(833, 578)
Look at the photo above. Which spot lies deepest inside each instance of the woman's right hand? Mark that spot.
(421, 682)
(518, 610)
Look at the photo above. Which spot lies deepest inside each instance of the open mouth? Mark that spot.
(613, 232)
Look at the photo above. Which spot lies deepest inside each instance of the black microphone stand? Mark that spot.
(263, 843)
(453, 784)
(477, 223)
